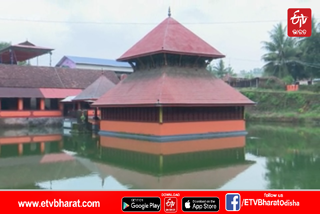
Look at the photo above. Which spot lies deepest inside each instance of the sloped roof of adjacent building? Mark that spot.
(68, 99)
(96, 89)
(22, 51)
(93, 61)
(173, 86)
(171, 37)
(15, 76)
(7, 92)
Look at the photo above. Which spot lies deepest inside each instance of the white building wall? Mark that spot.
(101, 67)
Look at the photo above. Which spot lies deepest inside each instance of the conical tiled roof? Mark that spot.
(172, 85)
(171, 37)
(96, 89)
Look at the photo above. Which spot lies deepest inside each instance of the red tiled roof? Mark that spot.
(171, 37)
(59, 92)
(20, 93)
(172, 86)
(15, 76)
(96, 89)
(37, 92)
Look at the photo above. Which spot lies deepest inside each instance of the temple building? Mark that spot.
(31, 95)
(171, 95)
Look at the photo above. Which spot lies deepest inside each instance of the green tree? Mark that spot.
(311, 52)
(231, 72)
(220, 70)
(256, 72)
(23, 63)
(4, 45)
(282, 53)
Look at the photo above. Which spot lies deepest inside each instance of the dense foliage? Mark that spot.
(4, 45)
(292, 58)
(220, 70)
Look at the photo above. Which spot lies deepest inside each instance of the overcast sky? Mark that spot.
(107, 28)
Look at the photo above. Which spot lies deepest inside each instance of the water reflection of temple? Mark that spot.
(24, 142)
(53, 161)
(27, 157)
(206, 163)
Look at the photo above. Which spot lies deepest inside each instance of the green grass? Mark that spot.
(272, 105)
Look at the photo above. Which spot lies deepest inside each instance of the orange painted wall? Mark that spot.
(91, 113)
(292, 87)
(173, 147)
(173, 128)
(39, 113)
(29, 139)
(15, 140)
(131, 127)
(20, 104)
(47, 113)
(202, 127)
(47, 138)
(15, 113)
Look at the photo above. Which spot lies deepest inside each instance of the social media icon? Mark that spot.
(200, 204)
(141, 204)
(187, 204)
(233, 201)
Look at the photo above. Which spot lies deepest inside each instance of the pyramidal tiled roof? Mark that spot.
(172, 86)
(171, 37)
(96, 89)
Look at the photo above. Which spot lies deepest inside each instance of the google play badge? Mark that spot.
(125, 205)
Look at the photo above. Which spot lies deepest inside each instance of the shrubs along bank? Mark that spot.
(283, 106)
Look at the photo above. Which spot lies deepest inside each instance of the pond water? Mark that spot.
(271, 156)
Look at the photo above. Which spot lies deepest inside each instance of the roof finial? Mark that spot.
(169, 12)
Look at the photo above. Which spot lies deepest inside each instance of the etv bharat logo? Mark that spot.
(170, 205)
(300, 19)
(299, 22)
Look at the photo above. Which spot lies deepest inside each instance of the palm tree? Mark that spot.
(220, 70)
(281, 53)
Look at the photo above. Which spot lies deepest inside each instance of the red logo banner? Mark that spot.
(299, 22)
(158, 201)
